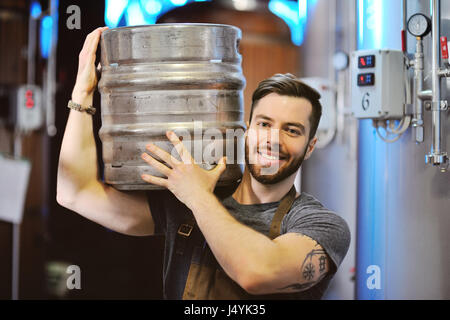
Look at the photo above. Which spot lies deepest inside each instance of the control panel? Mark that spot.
(27, 113)
(378, 84)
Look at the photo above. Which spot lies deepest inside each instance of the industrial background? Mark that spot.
(386, 173)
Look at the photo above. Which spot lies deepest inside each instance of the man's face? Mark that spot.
(277, 140)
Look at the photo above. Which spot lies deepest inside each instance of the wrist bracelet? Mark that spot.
(78, 107)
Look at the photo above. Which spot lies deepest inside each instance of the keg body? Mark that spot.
(181, 77)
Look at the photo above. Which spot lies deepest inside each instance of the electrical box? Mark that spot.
(378, 84)
(327, 100)
(27, 113)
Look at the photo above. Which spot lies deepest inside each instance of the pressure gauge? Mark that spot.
(419, 25)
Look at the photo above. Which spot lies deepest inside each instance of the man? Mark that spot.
(297, 260)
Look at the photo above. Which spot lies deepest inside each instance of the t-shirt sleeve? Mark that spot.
(156, 204)
(325, 227)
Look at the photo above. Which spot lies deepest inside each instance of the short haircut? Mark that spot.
(289, 85)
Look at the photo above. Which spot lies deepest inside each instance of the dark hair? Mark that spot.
(289, 85)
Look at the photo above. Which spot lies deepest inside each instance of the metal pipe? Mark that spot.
(15, 261)
(51, 72)
(331, 40)
(16, 232)
(436, 156)
(436, 79)
(418, 87)
(31, 66)
(425, 95)
(333, 75)
(405, 13)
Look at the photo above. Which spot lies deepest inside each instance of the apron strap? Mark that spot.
(183, 234)
(283, 208)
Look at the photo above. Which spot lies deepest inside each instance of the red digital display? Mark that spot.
(29, 102)
(366, 79)
(366, 62)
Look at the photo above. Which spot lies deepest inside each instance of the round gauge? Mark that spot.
(340, 60)
(419, 25)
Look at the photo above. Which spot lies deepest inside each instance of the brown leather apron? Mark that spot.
(206, 279)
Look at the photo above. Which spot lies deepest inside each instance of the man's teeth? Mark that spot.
(265, 155)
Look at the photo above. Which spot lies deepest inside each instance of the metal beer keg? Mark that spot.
(181, 77)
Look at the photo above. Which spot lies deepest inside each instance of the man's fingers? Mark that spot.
(179, 146)
(221, 166)
(165, 156)
(88, 41)
(91, 41)
(95, 39)
(154, 180)
(98, 70)
(156, 164)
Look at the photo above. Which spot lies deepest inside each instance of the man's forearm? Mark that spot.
(78, 156)
(245, 254)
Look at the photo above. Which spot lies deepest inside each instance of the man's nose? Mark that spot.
(273, 139)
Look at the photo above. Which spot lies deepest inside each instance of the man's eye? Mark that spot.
(293, 131)
(263, 124)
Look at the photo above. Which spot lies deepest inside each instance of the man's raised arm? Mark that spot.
(78, 185)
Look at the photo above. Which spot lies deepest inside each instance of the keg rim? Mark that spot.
(176, 24)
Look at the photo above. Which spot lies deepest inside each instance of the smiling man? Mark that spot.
(258, 250)
(265, 240)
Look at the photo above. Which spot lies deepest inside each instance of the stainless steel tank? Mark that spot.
(181, 77)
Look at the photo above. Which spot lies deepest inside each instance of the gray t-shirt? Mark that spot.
(307, 216)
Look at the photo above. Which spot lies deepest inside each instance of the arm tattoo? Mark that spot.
(308, 270)
(303, 286)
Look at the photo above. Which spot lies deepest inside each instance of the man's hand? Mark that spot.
(185, 179)
(87, 77)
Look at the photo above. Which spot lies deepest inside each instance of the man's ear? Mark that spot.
(311, 147)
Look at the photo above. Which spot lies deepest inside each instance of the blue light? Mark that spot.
(179, 3)
(360, 22)
(47, 22)
(120, 13)
(378, 24)
(114, 10)
(303, 11)
(35, 10)
(46, 36)
(295, 15)
(153, 7)
(371, 21)
(134, 15)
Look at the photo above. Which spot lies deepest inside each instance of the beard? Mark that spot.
(286, 170)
